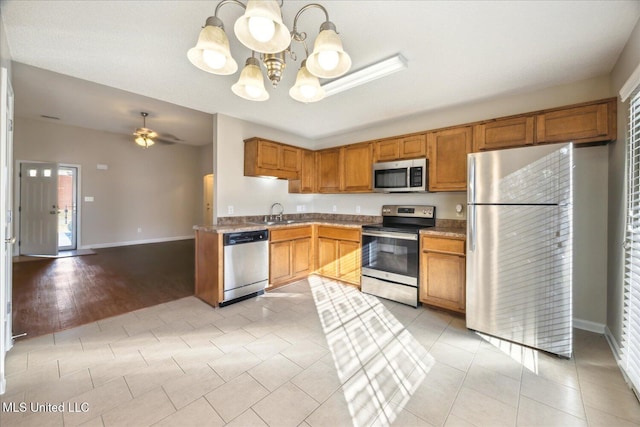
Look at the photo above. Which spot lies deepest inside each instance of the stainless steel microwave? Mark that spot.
(402, 176)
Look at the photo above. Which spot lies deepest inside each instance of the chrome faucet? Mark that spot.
(279, 216)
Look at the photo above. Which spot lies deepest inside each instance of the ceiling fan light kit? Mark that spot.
(262, 30)
(144, 136)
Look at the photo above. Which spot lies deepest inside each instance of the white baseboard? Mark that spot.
(3, 386)
(587, 325)
(136, 242)
(615, 348)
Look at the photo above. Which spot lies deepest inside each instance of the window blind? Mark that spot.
(631, 326)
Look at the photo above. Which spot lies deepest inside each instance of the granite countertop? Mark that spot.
(444, 227)
(444, 231)
(251, 226)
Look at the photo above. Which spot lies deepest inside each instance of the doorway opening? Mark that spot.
(67, 208)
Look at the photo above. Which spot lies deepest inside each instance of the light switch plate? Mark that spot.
(88, 198)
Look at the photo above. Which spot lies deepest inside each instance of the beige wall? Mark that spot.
(249, 195)
(156, 189)
(628, 61)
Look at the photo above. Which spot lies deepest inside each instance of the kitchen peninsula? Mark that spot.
(323, 244)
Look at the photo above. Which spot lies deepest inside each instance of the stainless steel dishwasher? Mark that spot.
(246, 264)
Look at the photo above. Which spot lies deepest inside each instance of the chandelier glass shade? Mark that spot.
(250, 85)
(307, 87)
(262, 30)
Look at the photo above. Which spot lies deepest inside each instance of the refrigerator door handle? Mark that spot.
(472, 228)
(471, 175)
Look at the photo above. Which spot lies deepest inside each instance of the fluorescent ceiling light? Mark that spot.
(365, 75)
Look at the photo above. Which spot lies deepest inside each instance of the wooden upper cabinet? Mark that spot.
(307, 181)
(357, 169)
(387, 150)
(345, 169)
(412, 147)
(504, 133)
(328, 170)
(581, 124)
(289, 158)
(407, 147)
(269, 158)
(448, 151)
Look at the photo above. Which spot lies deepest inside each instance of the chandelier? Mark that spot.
(261, 30)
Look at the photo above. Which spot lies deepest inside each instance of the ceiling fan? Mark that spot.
(146, 137)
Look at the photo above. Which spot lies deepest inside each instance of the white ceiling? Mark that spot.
(458, 52)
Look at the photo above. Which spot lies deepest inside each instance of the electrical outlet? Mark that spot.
(334, 209)
(304, 208)
(230, 210)
(358, 209)
(298, 208)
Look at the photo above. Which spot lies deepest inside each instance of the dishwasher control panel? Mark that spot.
(245, 237)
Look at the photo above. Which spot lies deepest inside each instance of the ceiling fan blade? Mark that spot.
(164, 141)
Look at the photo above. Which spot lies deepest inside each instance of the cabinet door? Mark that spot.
(504, 133)
(328, 170)
(387, 150)
(357, 169)
(306, 182)
(413, 147)
(280, 262)
(268, 155)
(589, 123)
(328, 257)
(289, 158)
(301, 254)
(349, 262)
(448, 151)
(442, 282)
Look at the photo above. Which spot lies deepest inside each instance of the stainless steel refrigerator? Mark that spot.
(519, 246)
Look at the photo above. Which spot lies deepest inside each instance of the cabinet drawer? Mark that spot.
(290, 233)
(339, 233)
(440, 244)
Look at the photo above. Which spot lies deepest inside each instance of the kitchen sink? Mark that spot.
(276, 222)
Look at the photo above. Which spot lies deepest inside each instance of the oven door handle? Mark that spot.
(401, 236)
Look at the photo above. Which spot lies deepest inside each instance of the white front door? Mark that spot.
(6, 216)
(39, 209)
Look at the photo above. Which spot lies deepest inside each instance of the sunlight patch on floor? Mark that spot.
(378, 361)
(527, 357)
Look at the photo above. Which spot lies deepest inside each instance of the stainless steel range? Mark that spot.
(390, 252)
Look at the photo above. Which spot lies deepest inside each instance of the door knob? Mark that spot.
(52, 212)
(10, 241)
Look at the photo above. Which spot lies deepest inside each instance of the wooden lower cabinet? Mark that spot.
(209, 267)
(339, 253)
(290, 255)
(442, 272)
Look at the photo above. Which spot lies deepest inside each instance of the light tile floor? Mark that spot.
(313, 353)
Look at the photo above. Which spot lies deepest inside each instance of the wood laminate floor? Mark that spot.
(52, 295)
